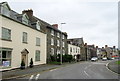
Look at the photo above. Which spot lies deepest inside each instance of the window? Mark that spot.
(37, 41)
(70, 49)
(58, 43)
(58, 51)
(63, 44)
(25, 19)
(5, 10)
(52, 41)
(63, 37)
(38, 25)
(6, 34)
(5, 58)
(76, 50)
(52, 32)
(52, 51)
(24, 37)
(63, 52)
(37, 55)
(58, 35)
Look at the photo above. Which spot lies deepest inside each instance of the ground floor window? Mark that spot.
(5, 57)
(37, 55)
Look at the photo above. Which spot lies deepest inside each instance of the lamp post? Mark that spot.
(61, 44)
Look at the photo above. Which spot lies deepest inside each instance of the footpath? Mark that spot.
(113, 66)
(18, 73)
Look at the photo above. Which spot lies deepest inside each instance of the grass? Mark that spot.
(54, 63)
(118, 62)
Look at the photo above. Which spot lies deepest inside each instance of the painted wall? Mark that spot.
(17, 30)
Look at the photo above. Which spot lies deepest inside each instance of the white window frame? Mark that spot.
(58, 35)
(37, 41)
(6, 33)
(25, 37)
(37, 55)
(52, 41)
(58, 42)
(63, 44)
(52, 51)
(52, 32)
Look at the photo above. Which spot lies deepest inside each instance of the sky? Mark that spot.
(94, 20)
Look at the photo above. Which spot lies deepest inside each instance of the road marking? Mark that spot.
(86, 73)
(53, 70)
(37, 76)
(31, 77)
(87, 67)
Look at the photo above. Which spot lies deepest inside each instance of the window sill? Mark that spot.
(25, 42)
(7, 40)
(38, 45)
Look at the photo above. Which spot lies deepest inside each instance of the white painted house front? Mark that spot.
(19, 41)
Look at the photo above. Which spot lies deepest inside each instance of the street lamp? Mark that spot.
(61, 44)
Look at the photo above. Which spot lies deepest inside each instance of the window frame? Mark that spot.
(25, 37)
(6, 31)
(37, 44)
(37, 55)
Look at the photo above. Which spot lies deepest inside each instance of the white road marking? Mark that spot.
(87, 67)
(37, 76)
(52, 70)
(86, 73)
(31, 77)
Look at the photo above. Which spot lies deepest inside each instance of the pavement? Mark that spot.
(114, 67)
(18, 73)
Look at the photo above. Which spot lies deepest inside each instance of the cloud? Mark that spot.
(94, 20)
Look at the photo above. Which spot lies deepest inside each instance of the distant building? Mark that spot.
(74, 50)
(79, 42)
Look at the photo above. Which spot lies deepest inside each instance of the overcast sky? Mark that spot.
(94, 20)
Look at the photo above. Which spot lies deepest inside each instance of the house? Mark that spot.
(56, 39)
(20, 39)
(80, 43)
(74, 50)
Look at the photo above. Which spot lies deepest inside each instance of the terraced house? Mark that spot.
(20, 39)
(56, 39)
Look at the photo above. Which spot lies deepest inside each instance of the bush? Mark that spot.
(22, 65)
(31, 63)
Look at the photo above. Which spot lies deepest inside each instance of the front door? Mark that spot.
(24, 57)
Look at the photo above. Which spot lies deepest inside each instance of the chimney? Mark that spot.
(96, 46)
(55, 26)
(114, 47)
(106, 46)
(29, 12)
(85, 44)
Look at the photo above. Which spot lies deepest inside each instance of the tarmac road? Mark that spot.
(84, 70)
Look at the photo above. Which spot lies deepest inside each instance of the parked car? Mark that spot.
(94, 59)
(104, 58)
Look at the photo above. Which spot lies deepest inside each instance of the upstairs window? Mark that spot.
(25, 19)
(58, 35)
(52, 32)
(58, 43)
(6, 34)
(63, 37)
(24, 40)
(63, 45)
(5, 9)
(38, 25)
(52, 41)
(37, 41)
